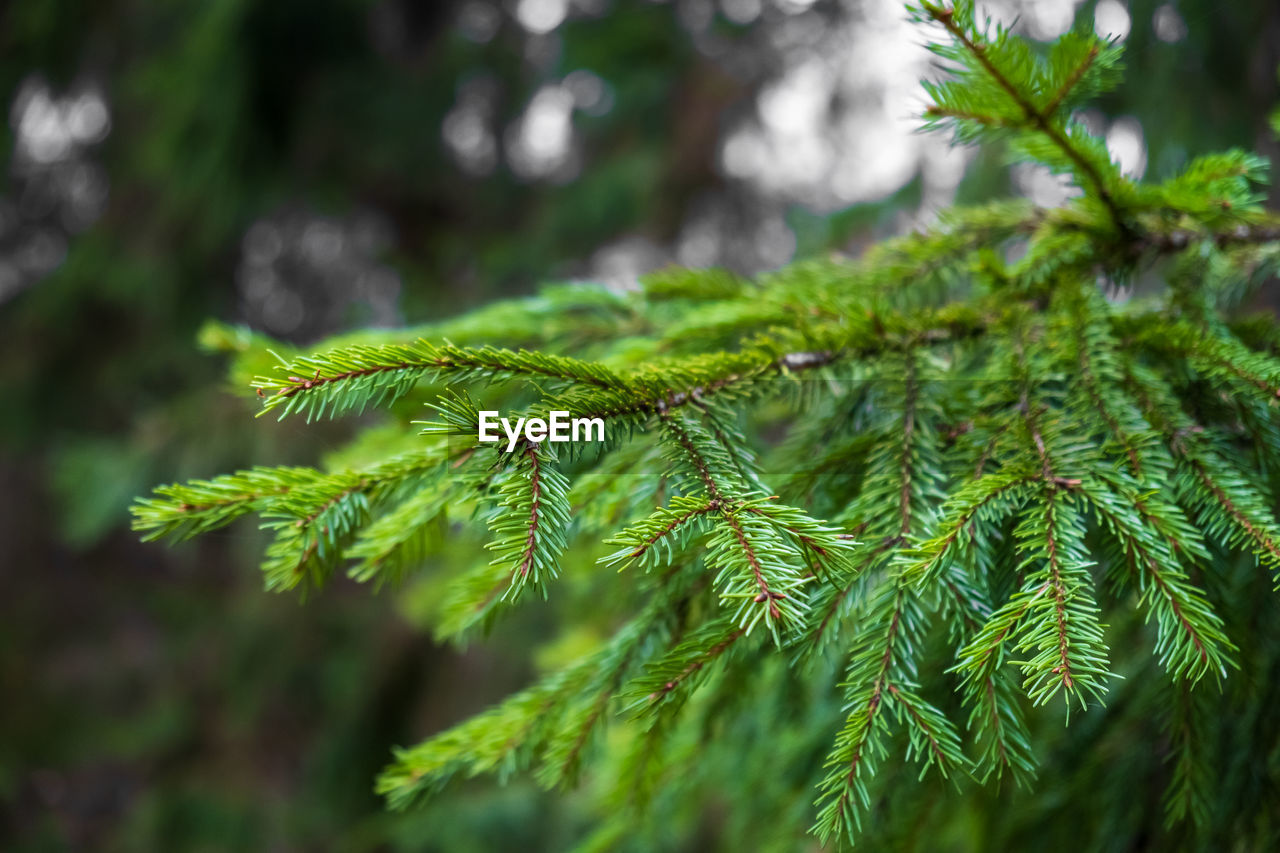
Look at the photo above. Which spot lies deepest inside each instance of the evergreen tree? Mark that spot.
(853, 515)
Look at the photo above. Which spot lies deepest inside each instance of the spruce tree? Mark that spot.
(851, 517)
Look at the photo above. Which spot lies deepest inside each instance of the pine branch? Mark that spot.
(958, 412)
(1190, 783)
(529, 528)
(566, 749)
(1233, 499)
(995, 719)
(666, 531)
(312, 533)
(832, 600)
(1180, 239)
(1100, 378)
(357, 377)
(505, 736)
(880, 677)
(1054, 615)
(395, 543)
(1040, 119)
(1071, 82)
(827, 549)
(1191, 641)
(667, 682)
(977, 506)
(759, 569)
(932, 737)
(908, 434)
(1218, 495)
(843, 794)
(199, 506)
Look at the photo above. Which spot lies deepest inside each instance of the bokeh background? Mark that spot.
(305, 167)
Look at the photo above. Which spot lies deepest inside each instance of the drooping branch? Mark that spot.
(1040, 119)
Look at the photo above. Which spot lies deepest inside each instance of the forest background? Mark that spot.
(306, 168)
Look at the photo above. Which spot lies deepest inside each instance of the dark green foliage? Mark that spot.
(1020, 474)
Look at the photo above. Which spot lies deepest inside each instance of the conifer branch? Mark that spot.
(932, 737)
(530, 525)
(995, 720)
(399, 540)
(1099, 378)
(1070, 83)
(880, 676)
(678, 521)
(1266, 544)
(990, 429)
(988, 500)
(939, 111)
(565, 750)
(697, 458)
(1187, 795)
(666, 682)
(1241, 234)
(908, 434)
(1063, 669)
(1191, 641)
(668, 526)
(766, 595)
(199, 506)
(843, 792)
(359, 376)
(827, 613)
(1042, 120)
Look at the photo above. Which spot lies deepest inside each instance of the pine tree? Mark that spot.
(850, 515)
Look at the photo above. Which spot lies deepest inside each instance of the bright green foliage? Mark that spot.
(184, 511)
(359, 376)
(528, 528)
(1016, 464)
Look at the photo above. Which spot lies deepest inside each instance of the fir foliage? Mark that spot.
(1016, 466)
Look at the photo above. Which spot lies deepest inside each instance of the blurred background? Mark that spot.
(305, 168)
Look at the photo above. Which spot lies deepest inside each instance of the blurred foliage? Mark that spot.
(159, 700)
